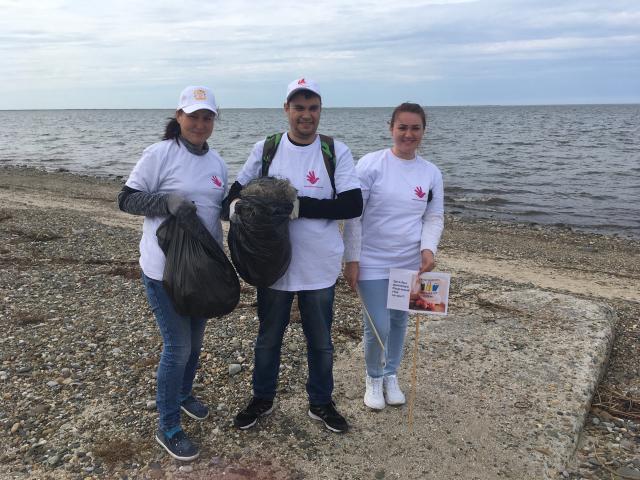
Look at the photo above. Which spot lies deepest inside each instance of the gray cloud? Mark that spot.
(387, 46)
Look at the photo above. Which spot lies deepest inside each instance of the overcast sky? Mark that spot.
(140, 54)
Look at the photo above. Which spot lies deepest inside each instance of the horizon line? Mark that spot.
(344, 107)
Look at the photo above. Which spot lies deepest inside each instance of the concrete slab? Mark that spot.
(502, 392)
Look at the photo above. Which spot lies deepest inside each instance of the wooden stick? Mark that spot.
(412, 395)
(366, 312)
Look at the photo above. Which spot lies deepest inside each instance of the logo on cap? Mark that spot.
(199, 94)
(302, 81)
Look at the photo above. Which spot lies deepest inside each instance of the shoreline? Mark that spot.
(457, 215)
(78, 359)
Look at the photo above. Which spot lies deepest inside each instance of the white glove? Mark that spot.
(296, 209)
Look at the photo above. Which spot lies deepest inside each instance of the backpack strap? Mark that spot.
(268, 152)
(328, 154)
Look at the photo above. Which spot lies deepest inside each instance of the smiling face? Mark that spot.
(407, 131)
(196, 127)
(304, 117)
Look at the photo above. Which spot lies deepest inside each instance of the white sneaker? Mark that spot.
(373, 397)
(392, 392)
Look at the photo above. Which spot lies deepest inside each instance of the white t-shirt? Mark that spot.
(168, 167)
(397, 222)
(316, 244)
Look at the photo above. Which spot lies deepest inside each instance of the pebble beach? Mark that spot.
(78, 357)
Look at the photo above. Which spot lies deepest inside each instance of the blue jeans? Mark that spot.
(181, 343)
(390, 324)
(316, 312)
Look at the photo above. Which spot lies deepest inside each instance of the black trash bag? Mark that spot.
(259, 237)
(198, 276)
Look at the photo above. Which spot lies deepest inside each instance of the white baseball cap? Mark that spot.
(197, 98)
(302, 84)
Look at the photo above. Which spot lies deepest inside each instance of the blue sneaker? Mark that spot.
(179, 446)
(195, 408)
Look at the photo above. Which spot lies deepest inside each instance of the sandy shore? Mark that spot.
(80, 351)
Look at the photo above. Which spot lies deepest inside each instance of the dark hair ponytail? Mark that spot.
(411, 108)
(172, 130)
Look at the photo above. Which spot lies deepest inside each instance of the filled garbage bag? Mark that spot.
(259, 235)
(198, 276)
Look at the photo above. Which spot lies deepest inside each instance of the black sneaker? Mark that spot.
(195, 408)
(330, 416)
(179, 446)
(258, 407)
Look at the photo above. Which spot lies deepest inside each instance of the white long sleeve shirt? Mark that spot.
(397, 221)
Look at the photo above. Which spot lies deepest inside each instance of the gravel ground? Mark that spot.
(78, 359)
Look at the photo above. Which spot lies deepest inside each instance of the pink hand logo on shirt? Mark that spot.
(311, 177)
(216, 181)
(419, 192)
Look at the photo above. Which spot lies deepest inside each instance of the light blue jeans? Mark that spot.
(181, 343)
(390, 324)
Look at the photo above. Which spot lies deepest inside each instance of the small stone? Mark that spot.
(380, 474)
(150, 405)
(155, 474)
(235, 368)
(595, 420)
(628, 473)
(186, 468)
(65, 372)
(52, 383)
(53, 461)
(15, 427)
(24, 369)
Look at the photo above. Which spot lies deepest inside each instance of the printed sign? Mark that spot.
(427, 293)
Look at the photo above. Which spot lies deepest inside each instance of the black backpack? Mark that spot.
(328, 154)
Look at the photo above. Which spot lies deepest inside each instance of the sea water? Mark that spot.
(573, 165)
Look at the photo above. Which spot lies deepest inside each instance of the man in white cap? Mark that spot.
(323, 198)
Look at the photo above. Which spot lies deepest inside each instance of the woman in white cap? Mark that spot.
(177, 176)
(400, 227)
